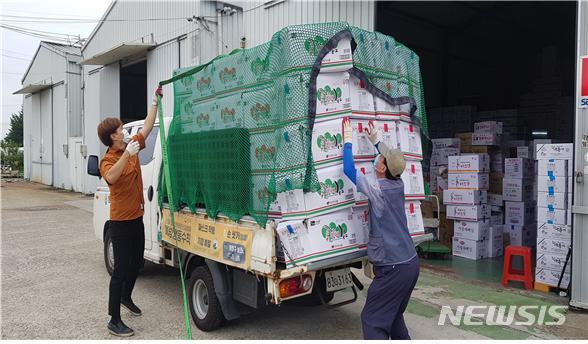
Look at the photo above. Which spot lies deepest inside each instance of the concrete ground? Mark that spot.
(54, 286)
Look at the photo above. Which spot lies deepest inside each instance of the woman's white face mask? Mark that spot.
(126, 136)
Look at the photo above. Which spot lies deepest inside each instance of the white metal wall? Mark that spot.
(580, 230)
(46, 152)
(91, 119)
(60, 170)
(161, 63)
(47, 66)
(27, 108)
(74, 99)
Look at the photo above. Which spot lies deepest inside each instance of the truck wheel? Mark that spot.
(108, 253)
(204, 305)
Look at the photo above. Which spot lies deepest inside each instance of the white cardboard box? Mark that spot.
(334, 96)
(558, 168)
(362, 101)
(495, 242)
(485, 139)
(409, 138)
(551, 278)
(414, 184)
(495, 200)
(524, 152)
(519, 213)
(471, 230)
(468, 181)
(445, 143)
(554, 184)
(327, 142)
(459, 197)
(552, 262)
(414, 217)
(468, 212)
(521, 235)
(553, 231)
(440, 156)
(488, 127)
(553, 246)
(339, 59)
(362, 147)
(387, 111)
(517, 190)
(367, 169)
(557, 216)
(322, 237)
(387, 133)
(555, 151)
(442, 184)
(469, 248)
(496, 219)
(554, 200)
(518, 168)
(534, 143)
(469, 163)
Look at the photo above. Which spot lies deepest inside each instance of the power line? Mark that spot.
(13, 57)
(15, 52)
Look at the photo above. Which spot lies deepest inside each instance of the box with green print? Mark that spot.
(324, 236)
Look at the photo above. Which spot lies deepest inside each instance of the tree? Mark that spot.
(15, 133)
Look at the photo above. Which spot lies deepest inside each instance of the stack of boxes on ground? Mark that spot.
(318, 225)
(554, 218)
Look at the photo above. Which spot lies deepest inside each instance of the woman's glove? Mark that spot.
(347, 131)
(133, 148)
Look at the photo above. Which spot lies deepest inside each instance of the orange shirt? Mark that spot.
(126, 195)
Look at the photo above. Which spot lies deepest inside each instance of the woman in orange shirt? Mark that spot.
(121, 169)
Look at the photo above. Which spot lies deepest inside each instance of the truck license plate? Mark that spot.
(338, 279)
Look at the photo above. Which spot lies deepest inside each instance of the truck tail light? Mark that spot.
(295, 285)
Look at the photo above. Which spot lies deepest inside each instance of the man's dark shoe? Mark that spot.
(128, 304)
(120, 329)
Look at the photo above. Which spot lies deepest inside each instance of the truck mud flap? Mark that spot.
(357, 283)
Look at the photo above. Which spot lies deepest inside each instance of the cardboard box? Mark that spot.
(552, 262)
(471, 230)
(468, 181)
(495, 241)
(495, 200)
(469, 249)
(554, 184)
(339, 59)
(409, 138)
(554, 231)
(442, 184)
(558, 168)
(445, 230)
(521, 235)
(554, 200)
(551, 278)
(322, 237)
(260, 197)
(367, 169)
(327, 143)
(517, 190)
(414, 185)
(414, 217)
(485, 139)
(553, 246)
(387, 111)
(555, 151)
(362, 101)
(535, 143)
(465, 139)
(470, 163)
(519, 213)
(465, 197)
(497, 166)
(488, 127)
(387, 133)
(363, 149)
(445, 143)
(557, 216)
(496, 218)
(524, 152)
(518, 168)
(427, 209)
(334, 96)
(468, 212)
(496, 183)
(440, 157)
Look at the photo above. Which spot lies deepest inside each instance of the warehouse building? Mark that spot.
(479, 61)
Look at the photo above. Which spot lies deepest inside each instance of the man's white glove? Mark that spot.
(372, 132)
(133, 148)
(347, 131)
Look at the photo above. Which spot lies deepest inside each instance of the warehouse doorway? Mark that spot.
(484, 61)
(133, 91)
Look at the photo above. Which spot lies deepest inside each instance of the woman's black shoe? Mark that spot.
(120, 329)
(131, 306)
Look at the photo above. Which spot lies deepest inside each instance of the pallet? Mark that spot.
(544, 288)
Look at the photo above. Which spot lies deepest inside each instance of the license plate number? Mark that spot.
(338, 279)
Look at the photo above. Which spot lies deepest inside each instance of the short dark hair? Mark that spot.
(107, 127)
(388, 174)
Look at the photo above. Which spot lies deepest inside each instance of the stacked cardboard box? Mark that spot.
(554, 202)
(517, 194)
(466, 202)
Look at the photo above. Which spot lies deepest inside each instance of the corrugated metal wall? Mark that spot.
(161, 63)
(74, 99)
(26, 138)
(261, 22)
(91, 119)
(60, 169)
(45, 157)
(580, 230)
(47, 65)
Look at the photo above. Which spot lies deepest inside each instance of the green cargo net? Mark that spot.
(242, 125)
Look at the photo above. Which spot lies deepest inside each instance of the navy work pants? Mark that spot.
(387, 299)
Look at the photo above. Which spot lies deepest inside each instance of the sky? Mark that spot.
(17, 49)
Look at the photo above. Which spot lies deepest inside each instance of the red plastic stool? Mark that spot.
(510, 274)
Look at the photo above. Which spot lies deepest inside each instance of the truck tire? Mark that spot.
(108, 253)
(204, 305)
